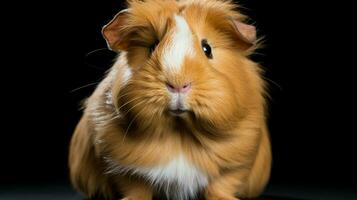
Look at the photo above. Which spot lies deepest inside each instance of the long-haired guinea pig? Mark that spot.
(181, 113)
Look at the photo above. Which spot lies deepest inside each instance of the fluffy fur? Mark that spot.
(128, 144)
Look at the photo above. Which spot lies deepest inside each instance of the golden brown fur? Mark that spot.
(224, 134)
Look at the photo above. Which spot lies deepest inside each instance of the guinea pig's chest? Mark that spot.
(177, 179)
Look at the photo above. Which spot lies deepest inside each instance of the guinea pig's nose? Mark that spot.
(179, 89)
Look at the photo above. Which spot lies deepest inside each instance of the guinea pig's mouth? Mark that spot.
(177, 112)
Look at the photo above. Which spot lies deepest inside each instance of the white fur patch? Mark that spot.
(127, 74)
(174, 100)
(109, 98)
(123, 68)
(180, 46)
(179, 179)
(177, 101)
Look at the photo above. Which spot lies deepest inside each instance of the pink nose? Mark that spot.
(178, 89)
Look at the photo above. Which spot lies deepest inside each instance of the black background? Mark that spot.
(310, 112)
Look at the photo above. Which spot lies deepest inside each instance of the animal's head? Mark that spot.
(186, 62)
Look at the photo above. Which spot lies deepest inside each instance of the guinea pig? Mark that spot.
(181, 114)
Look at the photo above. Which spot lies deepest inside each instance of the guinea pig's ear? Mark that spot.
(115, 31)
(247, 33)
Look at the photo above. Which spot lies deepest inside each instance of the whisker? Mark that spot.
(127, 93)
(84, 86)
(123, 95)
(94, 51)
(126, 103)
(115, 116)
(133, 107)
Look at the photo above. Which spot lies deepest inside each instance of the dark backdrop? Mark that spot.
(48, 58)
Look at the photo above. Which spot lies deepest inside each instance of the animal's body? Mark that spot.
(182, 110)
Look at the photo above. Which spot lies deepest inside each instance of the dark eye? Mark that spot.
(206, 48)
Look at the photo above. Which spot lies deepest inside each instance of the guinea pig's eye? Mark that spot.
(152, 47)
(206, 48)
